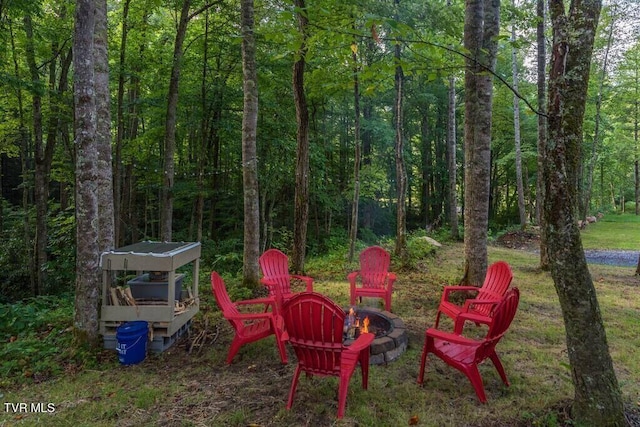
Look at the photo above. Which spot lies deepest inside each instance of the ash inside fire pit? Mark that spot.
(390, 333)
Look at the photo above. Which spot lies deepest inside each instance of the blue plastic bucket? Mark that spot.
(132, 342)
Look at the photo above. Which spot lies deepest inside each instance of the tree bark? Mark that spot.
(481, 28)
(451, 160)
(120, 126)
(87, 250)
(103, 131)
(301, 204)
(355, 203)
(542, 129)
(401, 173)
(166, 209)
(522, 211)
(251, 271)
(41, 181)
(597, 395)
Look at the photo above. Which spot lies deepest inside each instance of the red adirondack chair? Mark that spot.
(315, 328)
(249, 326)
(466, 354)
(275, 270)
(374, 277)
(496, 283)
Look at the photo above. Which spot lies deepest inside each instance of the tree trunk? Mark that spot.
(481, 28)
(41, 182)
(87, 250)
(522, 211)
(355, 204)
(301, 204)
(103, 131)
(542, 129)
(166, 207)
(401, 173)
(24, 169)
(597, 395)
(451, 160)
(593, 158)
(251, 271)
(117, 166)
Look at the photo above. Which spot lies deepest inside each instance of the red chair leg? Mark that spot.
(496, 362)
(294, 385)
(473, 374)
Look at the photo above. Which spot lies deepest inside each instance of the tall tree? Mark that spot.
(452, 165)
(166, 213)
(87, 216)
(103, 130)
(401, 173)
(542, 126)
(301, 198)
(251, 271)
(597, 398)
(585, 200)
(481, 30)
(355, 203)
(516, 128)
(42, 160)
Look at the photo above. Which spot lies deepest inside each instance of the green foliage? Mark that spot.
(36, 339)
(14, 256)
(62, 253)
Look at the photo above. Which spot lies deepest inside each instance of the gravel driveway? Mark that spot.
(617, 258)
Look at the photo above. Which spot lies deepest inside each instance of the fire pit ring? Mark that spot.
(389, 344)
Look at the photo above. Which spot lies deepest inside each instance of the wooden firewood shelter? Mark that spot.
(148, 281)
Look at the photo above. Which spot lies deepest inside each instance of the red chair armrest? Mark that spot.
(352, 276)
(308, 280)
(256, 301)
(449, 289)
(363, 341)
(250, 316)
(472, 317)
(448, 336)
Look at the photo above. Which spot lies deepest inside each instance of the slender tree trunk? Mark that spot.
(481, 28)
(542, 129)
(451, 160)
(87, 225)
(41, 182)
(103, 131)
(401, 173)
(516, 128)
(355, 203)
(24, 165)
(120, 126)
(593, 158)
(251, 272)
(597, 395)
(166, 212)
(301, 204)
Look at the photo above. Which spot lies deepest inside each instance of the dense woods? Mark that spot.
(332, 47)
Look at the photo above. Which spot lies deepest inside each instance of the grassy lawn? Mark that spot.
(192, 386)
(613, 232)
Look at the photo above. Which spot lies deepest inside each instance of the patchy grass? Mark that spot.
(192, 386)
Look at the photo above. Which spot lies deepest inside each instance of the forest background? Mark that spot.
(37, 216)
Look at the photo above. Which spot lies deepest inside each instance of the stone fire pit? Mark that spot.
(391, 335)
